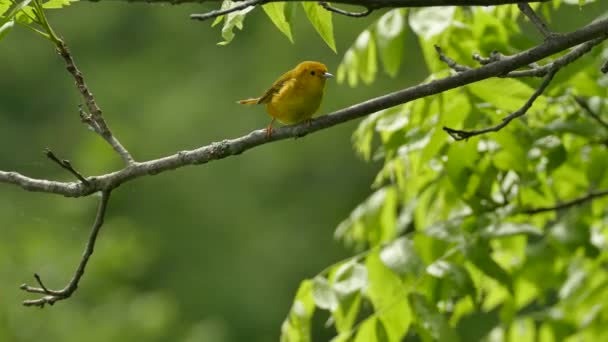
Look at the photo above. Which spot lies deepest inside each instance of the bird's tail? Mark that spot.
(249, 101)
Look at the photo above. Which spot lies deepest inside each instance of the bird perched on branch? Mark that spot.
(295, 96)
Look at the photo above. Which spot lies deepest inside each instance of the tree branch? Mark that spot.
(369, 4)
(565, 205)
(65, 164)
(377, 4)
(540, 24)
(217, 13)
(461, 135)
(534, 71)
(330, 8)
(52, 296)
(95, 119)
(219, 150)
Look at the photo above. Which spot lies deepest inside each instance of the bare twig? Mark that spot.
(450, 62)
(219, 150)
(538, 22)
(379, 3)
(461, 135)
(330, 8)
(583, 104)
(371, 5)
(64, 163)
(567, 204)
(95, 119)
(52, 296)
(571, 56)
(217, 13)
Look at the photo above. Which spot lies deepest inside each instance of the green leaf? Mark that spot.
(390, 30)
(6, 28)
(350, 277)
(480, 256)
(449, 231)
(457, 277)
(388, 295)
(367, 60)
(505, 93)
(296, 328)
(321, 19)
(373, 221)
(506, 229)
(12, 10)
(400, 256)
(461, 162)
(432, 21)
(52, 4)
(576, 280)
(597, 170)
(232, 20)
(381, 333)
(324, 295)
(476, 325)
(346, 313)
(430, 321)
(276, 13)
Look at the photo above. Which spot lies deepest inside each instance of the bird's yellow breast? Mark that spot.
(296, 101)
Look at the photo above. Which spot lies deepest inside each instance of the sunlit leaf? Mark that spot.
(276, 12)
(321, 19)
(232, 20)
(350, 277)
(57, 3)
(388, 295)
(390, 30)
(506, 229)
(6, 28)
(297, 325)
(400, 256)
(456, 276)
(431, 21)
(323, 294)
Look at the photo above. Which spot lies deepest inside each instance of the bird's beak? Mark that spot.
(327, 75)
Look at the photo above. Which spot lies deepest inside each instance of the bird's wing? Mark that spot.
(286, 80)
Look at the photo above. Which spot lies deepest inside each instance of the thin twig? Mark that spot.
(327, 6)
(562, 61)
(52, 296)
(538, 22)
(565, 205)
(230, 147)
(217, 13)
(94, 118)
(450, 62)
(583, 104)
(64, 163)
(379, 3)
(461, 135)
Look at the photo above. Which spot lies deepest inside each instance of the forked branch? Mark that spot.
(462, 135)
(568, 204)
(52, 296)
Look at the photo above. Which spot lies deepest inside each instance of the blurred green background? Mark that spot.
(206, 253)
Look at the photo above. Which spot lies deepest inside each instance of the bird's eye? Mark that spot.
(312, 73)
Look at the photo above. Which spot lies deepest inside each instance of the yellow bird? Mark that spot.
(295, 96)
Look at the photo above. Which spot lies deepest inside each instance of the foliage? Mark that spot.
(450, 251)
(447, 247)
